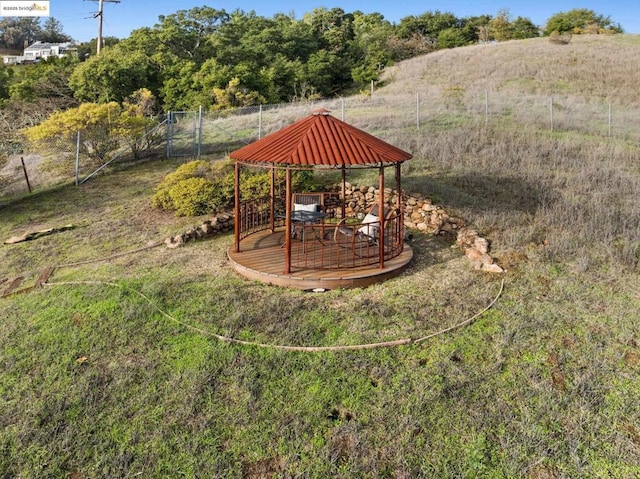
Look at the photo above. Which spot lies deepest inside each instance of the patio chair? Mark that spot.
(361, 237)
(311, 202)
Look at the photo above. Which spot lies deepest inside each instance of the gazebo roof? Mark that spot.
(320, 140)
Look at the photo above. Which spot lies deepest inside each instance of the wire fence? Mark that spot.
(192, 134)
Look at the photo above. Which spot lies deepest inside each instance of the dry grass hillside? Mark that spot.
(590, 66)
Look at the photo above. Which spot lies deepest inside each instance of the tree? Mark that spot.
(369, 49)
(500, 27)
(48, 79)
(113, 76)
(5, 79)
(524, 28)
(580, 20)
(15, 32)
(103, 127)
(90, 48)
(52, 32)
(428, 25)
(451, 38)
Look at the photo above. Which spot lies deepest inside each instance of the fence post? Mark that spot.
(417, 110)
(78, 159)
(169, 134)
(26, 176)
(260, 123)
(199, 132)
(342, 108)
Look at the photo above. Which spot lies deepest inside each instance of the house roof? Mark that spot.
(44, 46)
(320, 139)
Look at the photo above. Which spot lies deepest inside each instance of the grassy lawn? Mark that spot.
(96, 382)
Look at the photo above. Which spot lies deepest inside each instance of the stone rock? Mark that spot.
(481, 245)
(492, 268)
(206, 228)
(422, 227)
(429, 207)
(475, 255)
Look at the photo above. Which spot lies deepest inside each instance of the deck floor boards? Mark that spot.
(262, 258)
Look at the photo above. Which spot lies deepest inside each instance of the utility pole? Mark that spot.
(99, 15)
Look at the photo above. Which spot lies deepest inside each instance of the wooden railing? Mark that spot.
(321, 245)
(255, 216)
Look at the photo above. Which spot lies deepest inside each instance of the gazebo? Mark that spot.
(274, 244)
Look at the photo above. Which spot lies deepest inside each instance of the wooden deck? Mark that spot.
(262, 258)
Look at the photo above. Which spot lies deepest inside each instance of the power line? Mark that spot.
(99, 15)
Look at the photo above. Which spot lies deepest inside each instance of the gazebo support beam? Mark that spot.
(237, 219)
(381, 214)
(287, 223)
(400, 234)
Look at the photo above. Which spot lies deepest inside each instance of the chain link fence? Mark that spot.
(191, 134)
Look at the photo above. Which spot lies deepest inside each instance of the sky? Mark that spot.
(121, 18)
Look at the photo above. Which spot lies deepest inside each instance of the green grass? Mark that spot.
(97, 383)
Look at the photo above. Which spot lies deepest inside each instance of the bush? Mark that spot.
(163, 197)
(560, 38)
(200, 187)
(193, 197)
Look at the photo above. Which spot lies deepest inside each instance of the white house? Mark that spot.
(12, 59)
(40, 50)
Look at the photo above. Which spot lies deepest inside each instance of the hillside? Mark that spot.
(113, 369)
(590, 66)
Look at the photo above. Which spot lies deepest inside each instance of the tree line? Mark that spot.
(221, 60)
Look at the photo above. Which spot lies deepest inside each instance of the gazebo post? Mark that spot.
(400, 234)
(344, 181)
(287, 223)
(272, 208)
(382, 215)
(237, 219)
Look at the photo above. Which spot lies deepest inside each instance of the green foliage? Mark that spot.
(196, 188)
(113, 76)
(192, 197)
(580, 20)
(503, 28)
(46, 79)
(214, 189)
(5, 78)
(451, 38)
(102, 127)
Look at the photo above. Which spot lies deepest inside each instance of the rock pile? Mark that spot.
(420, 214)
(477, 250)
(218, 224)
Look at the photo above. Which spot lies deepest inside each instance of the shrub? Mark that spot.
(560, 38)
(193, 196)
(214, 189)
(163, 197)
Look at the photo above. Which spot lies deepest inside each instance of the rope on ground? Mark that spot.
(308, 349)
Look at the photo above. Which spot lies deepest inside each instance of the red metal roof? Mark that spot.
(320, 139)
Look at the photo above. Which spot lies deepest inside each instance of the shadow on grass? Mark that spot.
(503, 194)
